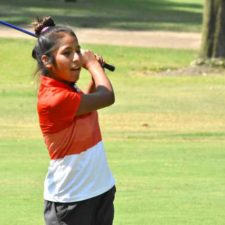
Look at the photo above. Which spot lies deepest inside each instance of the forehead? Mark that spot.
(66, 39)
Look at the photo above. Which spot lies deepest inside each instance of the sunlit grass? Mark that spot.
(164, 138)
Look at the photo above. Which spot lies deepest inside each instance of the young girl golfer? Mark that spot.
(79, 186)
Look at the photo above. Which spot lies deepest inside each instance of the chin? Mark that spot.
(75, 79)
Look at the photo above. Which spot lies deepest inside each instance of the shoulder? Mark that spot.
(53, 96)
(57, 108)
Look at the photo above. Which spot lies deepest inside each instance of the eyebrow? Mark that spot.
(69, 47)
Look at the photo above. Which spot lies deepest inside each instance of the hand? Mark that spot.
(89, 58)
(100, 59)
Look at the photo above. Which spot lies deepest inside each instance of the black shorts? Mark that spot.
(95, 211)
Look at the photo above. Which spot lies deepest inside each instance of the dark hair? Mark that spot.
(48, 34)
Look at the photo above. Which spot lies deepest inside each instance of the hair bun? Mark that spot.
(40, 24)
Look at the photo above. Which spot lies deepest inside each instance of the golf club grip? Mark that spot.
(108, 66)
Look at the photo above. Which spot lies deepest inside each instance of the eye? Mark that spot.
(67, 52)
(78, 51)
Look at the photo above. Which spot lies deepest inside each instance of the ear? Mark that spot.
(46, 61)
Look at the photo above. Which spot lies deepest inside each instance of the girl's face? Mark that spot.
(68, 60)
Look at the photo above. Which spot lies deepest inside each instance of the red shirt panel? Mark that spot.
(57, 105)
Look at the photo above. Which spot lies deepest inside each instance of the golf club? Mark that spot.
(104, 65)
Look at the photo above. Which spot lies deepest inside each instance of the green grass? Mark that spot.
(178, 15)
(164, 137)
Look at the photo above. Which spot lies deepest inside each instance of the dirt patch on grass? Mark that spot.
(156, 39)
(194, 70)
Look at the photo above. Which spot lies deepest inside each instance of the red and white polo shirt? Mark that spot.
(78, 168)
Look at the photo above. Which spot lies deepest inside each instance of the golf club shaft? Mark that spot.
(104, 65)
(17, 28)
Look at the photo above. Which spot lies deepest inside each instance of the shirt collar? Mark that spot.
(51, 82)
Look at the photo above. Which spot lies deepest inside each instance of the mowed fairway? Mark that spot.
(164, 138)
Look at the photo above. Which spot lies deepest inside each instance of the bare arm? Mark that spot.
(91, 87)
(103, 94)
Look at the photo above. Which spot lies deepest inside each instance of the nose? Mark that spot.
(76, 57)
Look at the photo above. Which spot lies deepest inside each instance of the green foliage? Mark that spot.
(185, 15)
(164, 139)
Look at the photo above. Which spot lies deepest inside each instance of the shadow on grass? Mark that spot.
(126, 14)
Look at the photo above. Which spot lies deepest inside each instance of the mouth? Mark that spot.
(75, 69)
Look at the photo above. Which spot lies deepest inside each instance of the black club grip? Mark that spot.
(108, 66)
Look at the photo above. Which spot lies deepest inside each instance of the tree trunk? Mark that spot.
(213, 34)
